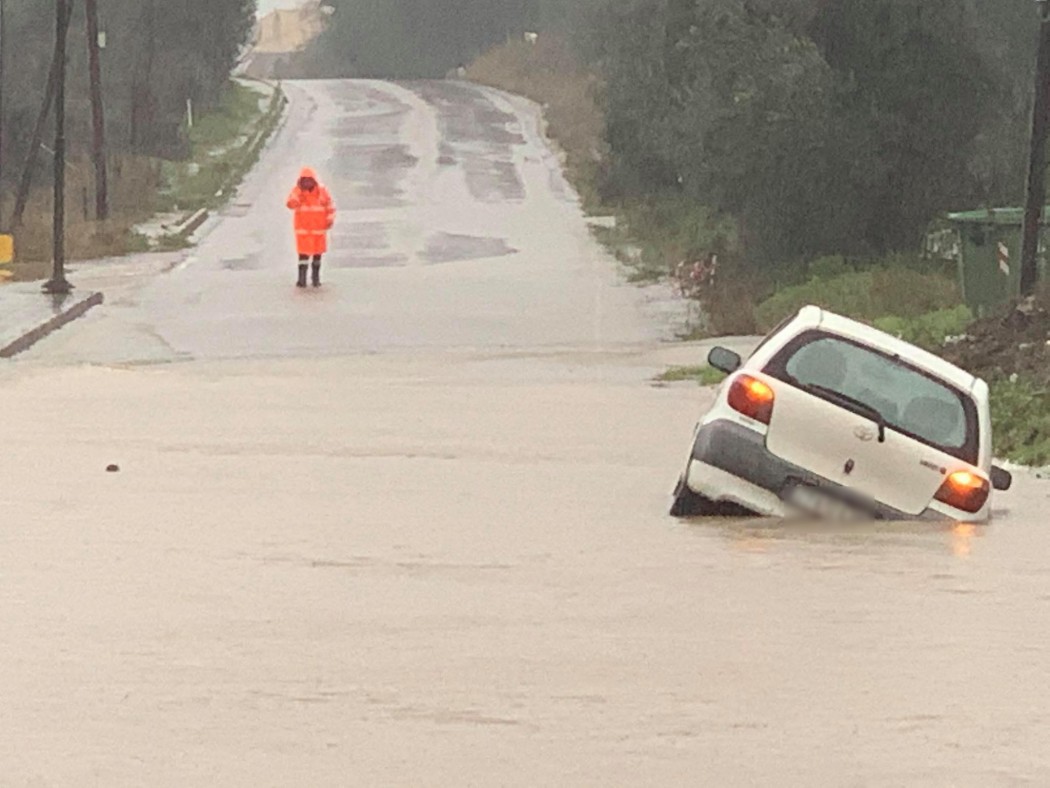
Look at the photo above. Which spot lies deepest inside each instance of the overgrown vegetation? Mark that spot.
(1021, 415)
(159, 58)
(822, 128)
(1012, 353)
(702, 375)
(158, 55)
(400, 39)
(868, 295)
(224, 145)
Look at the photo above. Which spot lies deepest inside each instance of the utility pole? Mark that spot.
(1036, 195)
(57, 284)
(3, 53)
(98, 148)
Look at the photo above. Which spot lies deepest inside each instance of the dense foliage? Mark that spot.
(415, 38)
(823, 127)
(820, 127)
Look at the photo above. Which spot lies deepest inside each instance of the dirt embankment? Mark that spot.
(1001, 346)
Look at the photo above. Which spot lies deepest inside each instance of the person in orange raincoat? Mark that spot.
(314, 217)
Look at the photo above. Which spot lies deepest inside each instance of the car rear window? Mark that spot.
(910, 400)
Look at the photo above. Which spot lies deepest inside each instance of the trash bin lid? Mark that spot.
(1006, 216)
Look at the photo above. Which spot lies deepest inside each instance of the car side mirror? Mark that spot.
(1001, 480)
(724, 360)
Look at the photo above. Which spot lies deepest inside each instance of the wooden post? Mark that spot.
(3, 55)
(1036, 193)
(57, 284)
(98, 118)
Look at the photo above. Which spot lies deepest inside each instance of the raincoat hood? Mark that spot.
(308, 172)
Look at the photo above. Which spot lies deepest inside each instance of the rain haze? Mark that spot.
(266, 6)
(344, 420)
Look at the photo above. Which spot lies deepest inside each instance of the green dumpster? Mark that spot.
(990, 256)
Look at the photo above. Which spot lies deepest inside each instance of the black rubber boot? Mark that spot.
(316, 274)
(302, 275)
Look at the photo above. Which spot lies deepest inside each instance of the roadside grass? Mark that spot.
(870, 294)
(133, 180)
(224, 146)
(703, 375)
(651, 238)
(928, 331)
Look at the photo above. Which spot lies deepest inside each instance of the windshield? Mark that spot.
(910, 401)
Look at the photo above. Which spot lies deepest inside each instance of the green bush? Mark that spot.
(704, 375)
(864, 295)
(827, 267)
(1021, 421)
(930, 330)
(673, 229)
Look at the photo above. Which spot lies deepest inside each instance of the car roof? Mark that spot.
(813, 317)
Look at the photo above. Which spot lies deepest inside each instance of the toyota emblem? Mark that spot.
(866, 434)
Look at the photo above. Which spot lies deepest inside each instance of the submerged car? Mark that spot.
(831, 418)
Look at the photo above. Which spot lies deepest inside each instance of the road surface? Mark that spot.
(456, 230)
(411, 529)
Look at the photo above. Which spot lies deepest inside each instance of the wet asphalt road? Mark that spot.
(411, 529)
(456, 230)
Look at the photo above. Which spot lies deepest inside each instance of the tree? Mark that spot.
(158, 53)
(414, 38)
(823, 127)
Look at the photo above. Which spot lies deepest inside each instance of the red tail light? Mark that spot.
(752, 397)
(965, 491)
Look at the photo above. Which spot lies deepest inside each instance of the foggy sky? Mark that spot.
(265, 6)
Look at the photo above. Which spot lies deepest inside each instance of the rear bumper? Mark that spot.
(732, 463)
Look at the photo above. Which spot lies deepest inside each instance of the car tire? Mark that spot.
(691, 504)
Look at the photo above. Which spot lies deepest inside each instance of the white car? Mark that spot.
(830, 417)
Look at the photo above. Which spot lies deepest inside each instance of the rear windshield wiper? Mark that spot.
(861, 408)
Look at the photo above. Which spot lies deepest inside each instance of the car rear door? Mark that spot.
(840, 445)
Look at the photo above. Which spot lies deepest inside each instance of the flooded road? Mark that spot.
(419, 535)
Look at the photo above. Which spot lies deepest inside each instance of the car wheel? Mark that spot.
(691, 504)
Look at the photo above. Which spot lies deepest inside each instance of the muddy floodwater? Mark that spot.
(444, 575)
(411, 529)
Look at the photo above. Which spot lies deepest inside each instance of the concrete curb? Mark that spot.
(66, 313)
(191, 225)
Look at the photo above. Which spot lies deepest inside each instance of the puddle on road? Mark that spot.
(480, 136)
(241, 264)
(449, 248)
(377, 171)
(366, 261)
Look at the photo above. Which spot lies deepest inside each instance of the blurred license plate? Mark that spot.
(812, 500)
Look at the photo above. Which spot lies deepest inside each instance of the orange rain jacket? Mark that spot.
(314, 216)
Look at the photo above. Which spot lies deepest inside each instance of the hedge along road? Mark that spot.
(410, 529)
